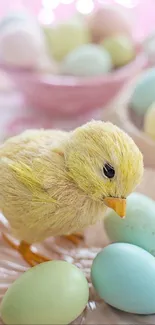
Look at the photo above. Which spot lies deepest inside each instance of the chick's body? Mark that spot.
(37, 195)
(52, 182)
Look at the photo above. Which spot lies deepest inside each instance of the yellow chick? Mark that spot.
(57, 183)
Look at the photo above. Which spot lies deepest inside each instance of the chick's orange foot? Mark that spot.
(25, 250)
(33, 258)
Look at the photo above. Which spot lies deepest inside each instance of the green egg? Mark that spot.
(86, 61)
(54, 292)
(138, 227)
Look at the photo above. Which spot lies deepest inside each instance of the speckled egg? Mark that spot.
(138, 227)
(65, 37)
(124, 276)
(107, 21)
(144, 92)
(120, 48)
(149, 121)
(87, 60)
(54, 292)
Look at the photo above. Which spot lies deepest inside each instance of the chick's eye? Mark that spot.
(108, 171)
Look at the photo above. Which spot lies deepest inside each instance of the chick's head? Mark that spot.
(104, 162)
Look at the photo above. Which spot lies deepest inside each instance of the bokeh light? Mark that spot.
(85, 6)
(46, 17)
(104, 2)
(128, 3)
(50, 4)
(66, 1)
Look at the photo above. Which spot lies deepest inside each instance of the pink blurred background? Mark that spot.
(18, 116)
(143, 11)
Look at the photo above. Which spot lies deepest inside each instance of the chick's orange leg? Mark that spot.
(25, 250)
(75, 238)
(29, 256)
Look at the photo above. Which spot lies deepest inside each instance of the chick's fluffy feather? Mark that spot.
(37, 196)
(52, 182)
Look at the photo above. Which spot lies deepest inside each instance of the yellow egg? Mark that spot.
(120, 48)
(66, 37)
(149, 122)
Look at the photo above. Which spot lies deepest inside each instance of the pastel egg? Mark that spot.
(144, 92)
(54, 292)
(149, 47)
(108, 21)
(21, 45)
(77, 17)
(64, 38)
(120, 48)
(14, 17)
(87, 60)
(124, 276)
(149, 122)
(138, 227)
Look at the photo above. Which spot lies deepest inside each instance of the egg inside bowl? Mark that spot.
(60, 70)
(71, 96)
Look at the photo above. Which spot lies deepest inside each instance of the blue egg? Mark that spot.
(124, 276)
(144, 93)
(138, 227)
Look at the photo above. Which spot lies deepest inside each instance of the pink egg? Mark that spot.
(107, 21)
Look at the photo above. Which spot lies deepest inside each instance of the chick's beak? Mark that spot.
(117, 204)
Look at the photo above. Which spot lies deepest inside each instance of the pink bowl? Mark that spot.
(71, 96)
